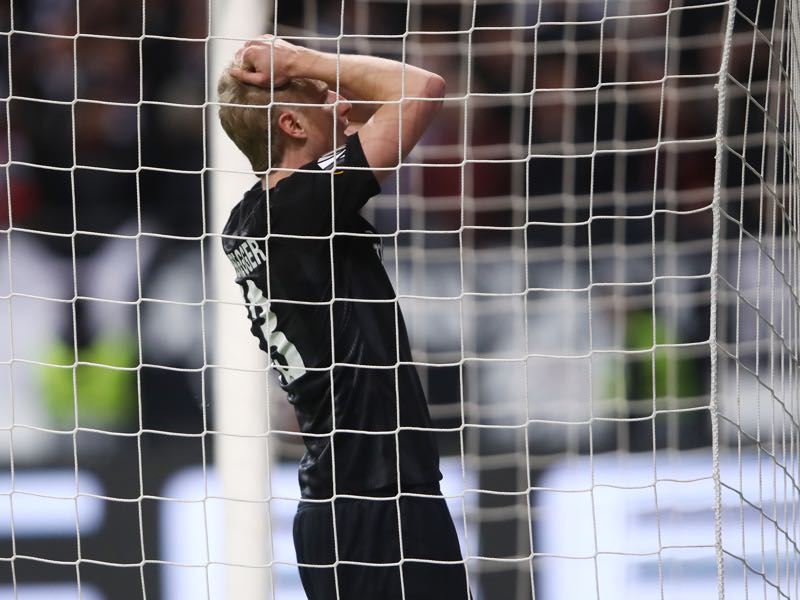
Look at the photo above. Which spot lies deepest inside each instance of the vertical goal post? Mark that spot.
(241, 400)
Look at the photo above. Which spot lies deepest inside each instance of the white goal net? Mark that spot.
(595, 248)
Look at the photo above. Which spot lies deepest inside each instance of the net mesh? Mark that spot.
(594, 247)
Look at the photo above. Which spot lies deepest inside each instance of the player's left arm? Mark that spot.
(360, 113)
(408, 97)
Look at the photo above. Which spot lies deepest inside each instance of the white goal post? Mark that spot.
(240, 401)
(595, 248)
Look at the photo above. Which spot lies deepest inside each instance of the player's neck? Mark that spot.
(292, 159)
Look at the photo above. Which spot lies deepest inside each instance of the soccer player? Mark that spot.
(321, 304)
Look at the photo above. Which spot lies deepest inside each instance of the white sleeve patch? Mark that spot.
(335, 157)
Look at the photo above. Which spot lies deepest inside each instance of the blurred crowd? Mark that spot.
(106, 127)
(123, 224)
(127, 113)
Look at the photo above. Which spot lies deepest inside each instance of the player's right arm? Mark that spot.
(409, 97)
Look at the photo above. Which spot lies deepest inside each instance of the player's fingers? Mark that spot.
(247, 58)
(251, 77)
(262, 41)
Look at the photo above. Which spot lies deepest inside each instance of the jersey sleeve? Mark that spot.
(324, 192)
(354, 182)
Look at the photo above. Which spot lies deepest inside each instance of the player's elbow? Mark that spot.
(435, 86)
(433, 91)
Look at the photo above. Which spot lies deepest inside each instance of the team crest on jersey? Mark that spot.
(328, 160)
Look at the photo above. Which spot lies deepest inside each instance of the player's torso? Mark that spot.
(322, 304)
(352, 316)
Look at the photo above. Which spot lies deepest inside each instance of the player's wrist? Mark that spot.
(300, 62)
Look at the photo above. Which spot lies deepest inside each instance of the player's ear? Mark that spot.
(291, 125)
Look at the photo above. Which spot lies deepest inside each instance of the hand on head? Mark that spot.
(265, 62)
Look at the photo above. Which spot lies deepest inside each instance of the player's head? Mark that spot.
(290, 127)
(321, 126)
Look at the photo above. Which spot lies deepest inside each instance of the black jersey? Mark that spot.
(323, 307)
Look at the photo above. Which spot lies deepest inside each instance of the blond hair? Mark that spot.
(247, 120)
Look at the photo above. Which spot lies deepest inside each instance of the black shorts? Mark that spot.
(367, 532)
